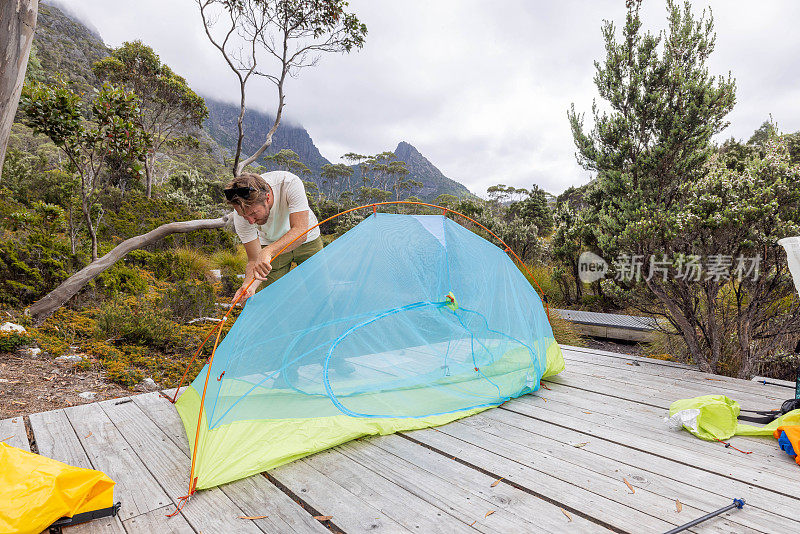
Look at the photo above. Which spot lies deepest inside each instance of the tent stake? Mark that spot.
(737, 503)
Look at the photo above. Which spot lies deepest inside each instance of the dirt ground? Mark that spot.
(38, 384)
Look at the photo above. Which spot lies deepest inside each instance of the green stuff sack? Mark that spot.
(714, 417)
(708, 417)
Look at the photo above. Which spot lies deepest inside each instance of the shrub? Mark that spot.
(133, 214)
(162, 264)
(195, 263)
(138, 324)
(122, 279)
(11, 341)
(667, 346)
(189, 299)
(33, 258)
(52, 345)
(230, 261)
(543, 275)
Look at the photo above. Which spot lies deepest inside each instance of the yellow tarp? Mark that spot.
(35, 491)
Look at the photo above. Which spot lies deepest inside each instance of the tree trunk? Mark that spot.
(687, 329)
(87, 217)
(45, 306)
(17, 23)
(148, 175)
(578, 282)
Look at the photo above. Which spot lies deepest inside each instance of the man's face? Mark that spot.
(256, 214)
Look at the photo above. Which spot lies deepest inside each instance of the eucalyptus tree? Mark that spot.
(336, 177)
(274, 40)
(287, 160)
(168, 106)
(18, 23)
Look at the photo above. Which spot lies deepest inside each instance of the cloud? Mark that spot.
(481, 89)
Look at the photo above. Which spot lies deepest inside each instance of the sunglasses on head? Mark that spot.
(241, 192)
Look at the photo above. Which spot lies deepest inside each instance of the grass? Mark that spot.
(543, 276)
(565, 332)
(197, 263)
(229, 261)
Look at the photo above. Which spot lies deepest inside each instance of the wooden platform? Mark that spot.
(562, 458)
(610, 325)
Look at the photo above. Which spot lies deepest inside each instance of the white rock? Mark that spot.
(148, 384)
(88, 395)
(32, 352)
(69, 358)
(12, 327)
(215, 275)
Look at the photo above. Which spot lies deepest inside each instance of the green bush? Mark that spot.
(162, 264)
(189, 299)
(193, 262)
(121, 279)
(134, 214)
(138, 324)
(34, 259)
(11, 341)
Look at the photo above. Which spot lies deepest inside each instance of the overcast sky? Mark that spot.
(480, 88)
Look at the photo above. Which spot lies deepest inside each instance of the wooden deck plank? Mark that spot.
(637, 409)
(686, 483)
(56, 439)
(680, 448)
(208, 511)
(602, 476)
(383, 493)
(255, 495)
(469, 505)
(350, 512)
(109, 452)
(646, 419)
(619, 399)
(156, 521)
(445, 479)
(659, 393)
(740, 390)
(733, 387)
(519, 465)
(626, 357)
(12, 432)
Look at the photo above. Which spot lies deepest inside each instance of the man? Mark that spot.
(271, 212)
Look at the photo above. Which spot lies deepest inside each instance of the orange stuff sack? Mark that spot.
(789, 438)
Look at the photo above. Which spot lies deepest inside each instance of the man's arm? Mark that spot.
(253, 249)
(298, 225)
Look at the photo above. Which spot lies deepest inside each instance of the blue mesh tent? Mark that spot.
(404, 322)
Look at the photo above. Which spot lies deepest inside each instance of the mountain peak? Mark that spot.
(421, 169)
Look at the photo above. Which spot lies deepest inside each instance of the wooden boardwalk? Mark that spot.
(562, 458)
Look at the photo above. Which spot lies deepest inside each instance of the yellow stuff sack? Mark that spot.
(36, 491)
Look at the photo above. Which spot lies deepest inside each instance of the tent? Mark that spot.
(404, 322)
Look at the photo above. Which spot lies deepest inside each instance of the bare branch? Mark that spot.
(45, 306)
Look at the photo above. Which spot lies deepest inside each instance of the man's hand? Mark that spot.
(245, 293)
(262, 266)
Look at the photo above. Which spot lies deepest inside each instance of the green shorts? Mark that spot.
(283, 263)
